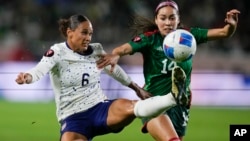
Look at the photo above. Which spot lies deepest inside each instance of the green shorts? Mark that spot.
(179, 116)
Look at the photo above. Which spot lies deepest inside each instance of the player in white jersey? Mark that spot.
(83, 110)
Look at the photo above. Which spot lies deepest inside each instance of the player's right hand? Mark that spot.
(23, 78)
(232, 17)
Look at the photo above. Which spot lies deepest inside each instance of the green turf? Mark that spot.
(28, 122)
(37, 122)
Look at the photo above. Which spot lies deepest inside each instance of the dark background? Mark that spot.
(29, 27)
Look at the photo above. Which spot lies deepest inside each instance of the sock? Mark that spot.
(154, 106)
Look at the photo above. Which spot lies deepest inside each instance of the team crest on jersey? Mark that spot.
(136, 39)
(49, 53)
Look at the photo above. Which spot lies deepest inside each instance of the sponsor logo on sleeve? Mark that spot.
(49, 53)
(136, 39)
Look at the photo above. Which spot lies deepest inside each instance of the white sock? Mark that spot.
(154, 106)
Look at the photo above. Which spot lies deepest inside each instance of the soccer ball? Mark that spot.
(179, 45)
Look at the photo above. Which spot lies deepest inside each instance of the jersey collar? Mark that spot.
(85, 53)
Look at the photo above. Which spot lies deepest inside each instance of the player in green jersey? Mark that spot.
(157, 68)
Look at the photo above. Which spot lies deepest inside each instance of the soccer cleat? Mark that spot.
(179, 86)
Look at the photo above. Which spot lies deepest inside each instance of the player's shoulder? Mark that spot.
(56, 48)
(146, 36)
(97, 48)
(59, 46)
(198, 30)
(151, 33)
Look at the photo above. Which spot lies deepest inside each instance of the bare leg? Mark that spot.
(72, 136)
(162, 129)
(123, 111)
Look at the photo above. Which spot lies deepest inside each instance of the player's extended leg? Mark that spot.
(73, 136)
(122, 111)
(161, 127)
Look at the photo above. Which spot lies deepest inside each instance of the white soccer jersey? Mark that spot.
(75, 78)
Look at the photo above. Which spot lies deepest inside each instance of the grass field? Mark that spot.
(37, 122)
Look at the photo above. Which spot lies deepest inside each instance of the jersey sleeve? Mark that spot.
(138, 43)
(98, 48)
(199, 34)
(118, 74)
(47, 62)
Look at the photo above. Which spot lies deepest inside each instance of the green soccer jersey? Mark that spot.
(156, 67)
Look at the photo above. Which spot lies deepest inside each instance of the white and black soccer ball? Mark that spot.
(179, 45)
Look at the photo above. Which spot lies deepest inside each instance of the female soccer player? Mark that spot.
(82, 108)
(157, 68)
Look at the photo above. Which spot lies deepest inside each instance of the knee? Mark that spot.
(124, 106)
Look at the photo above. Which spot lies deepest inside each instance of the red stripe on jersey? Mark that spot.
(149, 33)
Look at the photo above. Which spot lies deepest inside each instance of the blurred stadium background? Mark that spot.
(221, 71)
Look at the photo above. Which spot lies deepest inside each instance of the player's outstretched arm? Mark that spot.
(112, 59)
(228, 30)
(121, 76)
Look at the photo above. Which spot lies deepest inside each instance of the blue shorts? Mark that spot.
(90, 123)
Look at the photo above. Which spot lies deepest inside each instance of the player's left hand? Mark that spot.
(232, 17)
(143, 94)
(140, 92)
